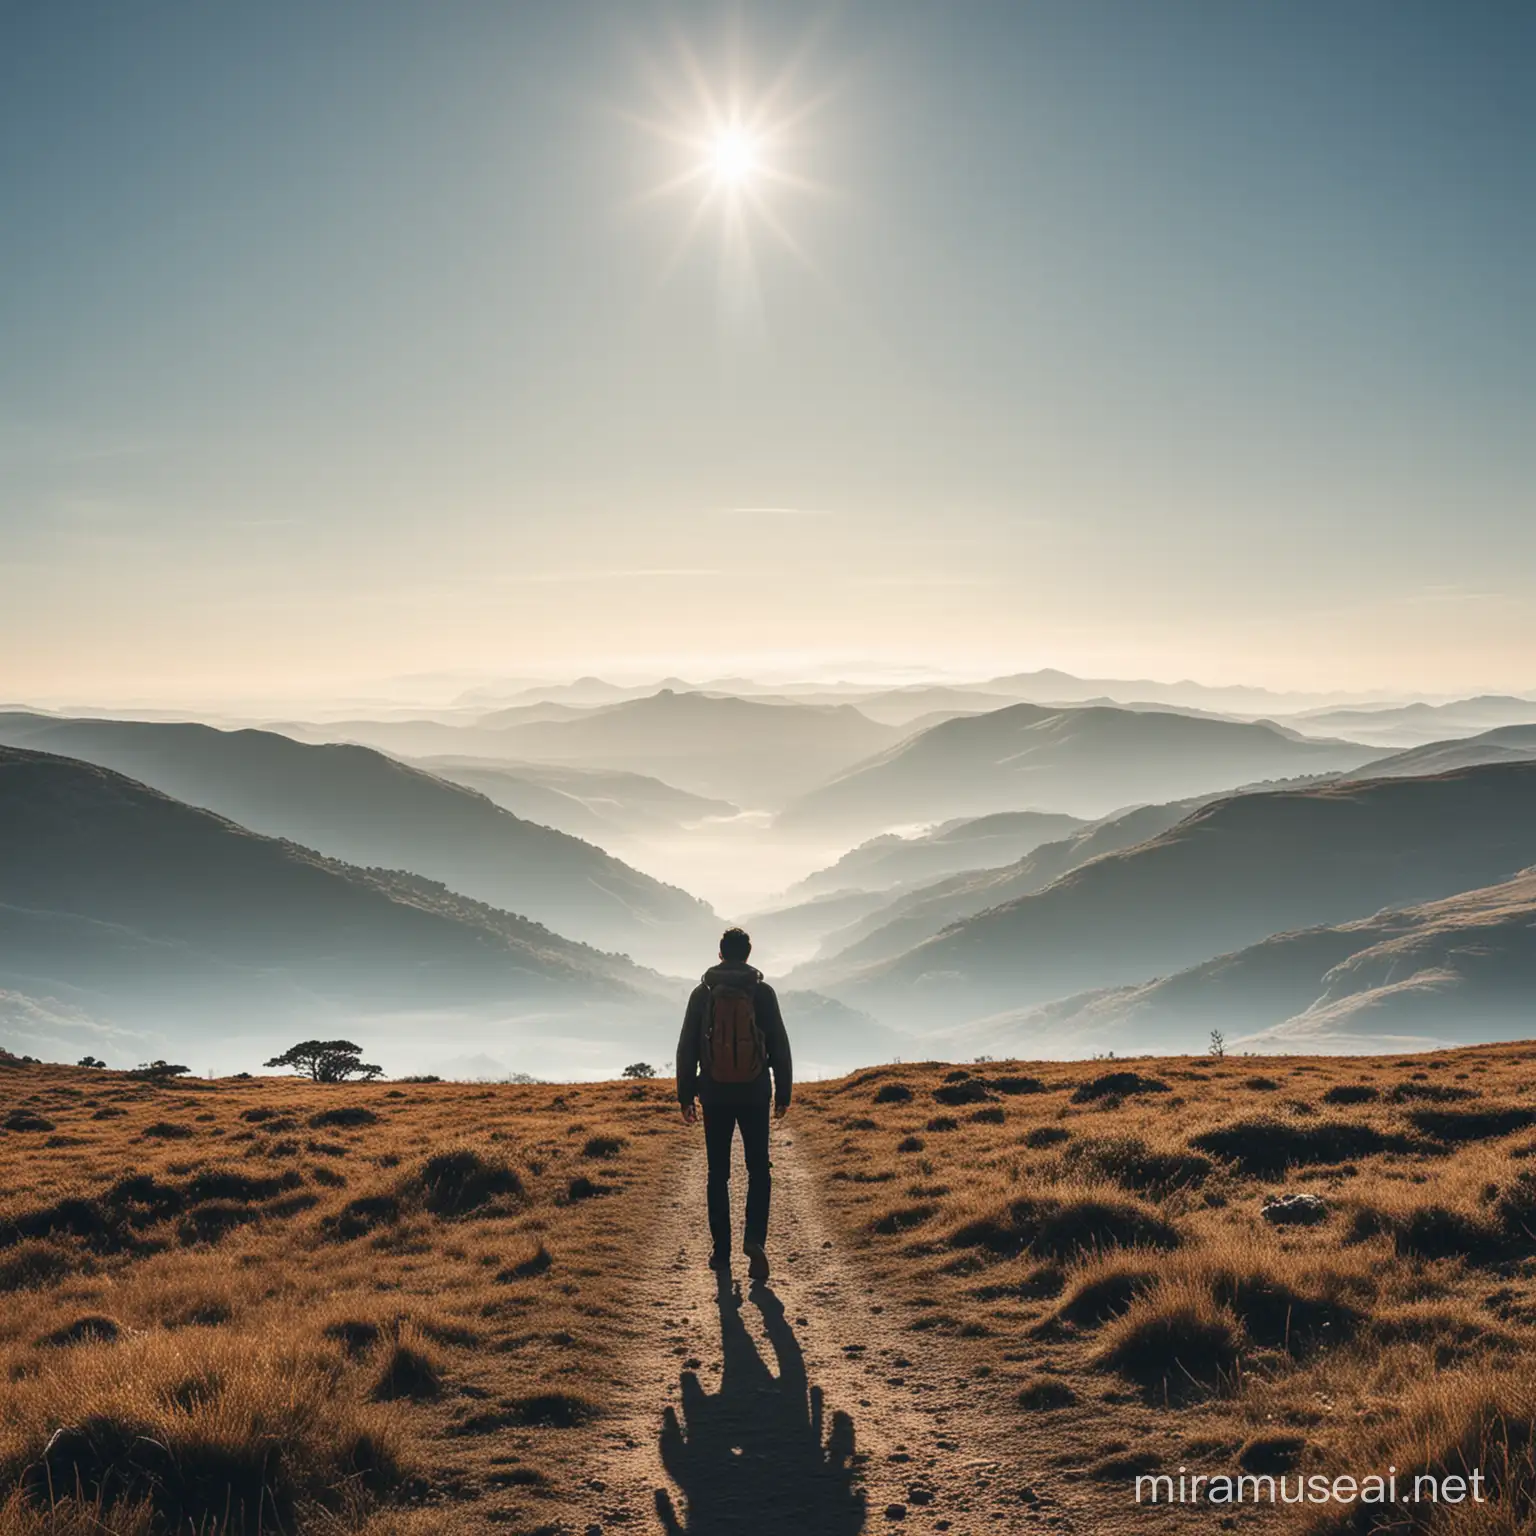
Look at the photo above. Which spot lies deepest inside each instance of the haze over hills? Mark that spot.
(981, 842)
(356, 804)
(754, 753)
(907, 918)
(1412, 978)
(1507, 744)
(1231, 874)
(1083, 761)
(1046, 685)
(593, 803)
(1412, 725)
(161, 921)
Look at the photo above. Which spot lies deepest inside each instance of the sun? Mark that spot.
(733, 157)
(739, 155)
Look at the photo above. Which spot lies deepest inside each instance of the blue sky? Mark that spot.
(348, 340)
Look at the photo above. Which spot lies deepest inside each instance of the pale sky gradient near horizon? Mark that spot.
(342, 341)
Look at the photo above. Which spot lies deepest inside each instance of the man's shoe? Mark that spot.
(720, 1259)
(757, 1265)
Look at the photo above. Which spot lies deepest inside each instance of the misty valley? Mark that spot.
(527, 879)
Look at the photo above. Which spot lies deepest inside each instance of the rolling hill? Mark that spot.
(1507, 744)
(590, 803)
(1085, 762)
(1412, 725)
(1457, 970)
(1226, 877)
(744, 750)
(908, 918)
(981, 842)
(128, 903)
(355, 804)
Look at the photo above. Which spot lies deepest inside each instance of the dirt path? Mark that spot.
(802, 1406)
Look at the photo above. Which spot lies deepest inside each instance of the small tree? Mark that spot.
(328, 1061)
(1218, 1045)
(159, 1070)
(90, 1061)
(639, 1069)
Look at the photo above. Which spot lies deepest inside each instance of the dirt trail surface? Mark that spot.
(799, 1406)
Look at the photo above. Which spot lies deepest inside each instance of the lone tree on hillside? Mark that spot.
(639, 1069)
(328, 1061)
(90, 1061)
(159, 1070)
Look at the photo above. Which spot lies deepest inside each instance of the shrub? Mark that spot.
(942, 1123)
(903, 1219)
(458, 1182)
(1175, 1343)
(970, 1090)
(1105, 1292)
(1463, 1125)
(1429, 1093)
(911, 1144)
(347, 1117)
(26, 1120)
(1117, 1085)
(1130, 1163)
(1265, 1148)
(1015, 1085)
(538, 1262)
(410, 1371)
(94, 1328)
(893, 1093)
(1047, 1136)
(1065, 1230)
(1270, 1455)
(1351, 1093)
(32, 1265)
(220, 1435)
(603, 1146)
(1046, 1393)
(359, 1217)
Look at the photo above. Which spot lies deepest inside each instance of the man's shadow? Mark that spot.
(751, 1458)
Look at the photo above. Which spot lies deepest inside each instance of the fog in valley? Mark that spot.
(526, 879)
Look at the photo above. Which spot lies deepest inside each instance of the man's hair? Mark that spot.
(735, 944)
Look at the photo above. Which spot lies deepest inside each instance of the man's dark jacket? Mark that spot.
(692, 1081)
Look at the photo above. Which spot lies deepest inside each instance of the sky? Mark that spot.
(350, 341)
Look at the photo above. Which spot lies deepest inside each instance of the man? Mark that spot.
(733, 1036)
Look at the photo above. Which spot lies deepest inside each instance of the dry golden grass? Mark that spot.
(270, 1305)
(265, 1305)
(1089, 1241)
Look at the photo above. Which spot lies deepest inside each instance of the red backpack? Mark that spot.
(732, 1044)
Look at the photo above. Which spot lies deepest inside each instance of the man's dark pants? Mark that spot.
(720, 1122)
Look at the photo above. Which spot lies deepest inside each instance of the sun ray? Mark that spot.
(737, 150)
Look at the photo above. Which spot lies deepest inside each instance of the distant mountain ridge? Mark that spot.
(118, 895)
(355, 804)
(1411, 725)
(1084, 761)
(1506, 744)
(1233, 873)
(744, 750)
(978, 842)
(1456, 970)
(911, 917)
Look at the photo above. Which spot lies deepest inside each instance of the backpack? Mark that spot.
(733, 1047)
